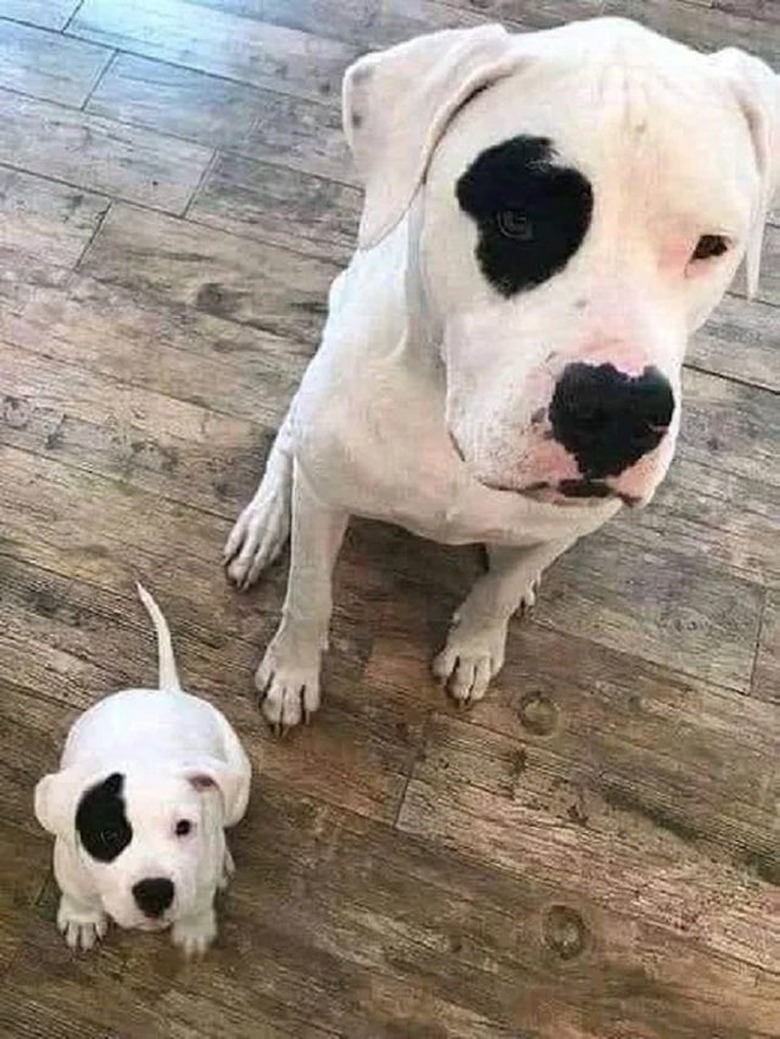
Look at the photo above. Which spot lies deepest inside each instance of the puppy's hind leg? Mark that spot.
(261, 531)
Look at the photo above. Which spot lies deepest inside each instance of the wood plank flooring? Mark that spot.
(594, 851)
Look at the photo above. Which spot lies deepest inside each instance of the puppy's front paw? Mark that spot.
(81, 926)
(469, 660)
(194, 934)
(289, 688)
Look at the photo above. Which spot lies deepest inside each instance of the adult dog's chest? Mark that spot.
(379, 441)
(461, 511)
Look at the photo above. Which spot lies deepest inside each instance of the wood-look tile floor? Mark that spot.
(592, 853)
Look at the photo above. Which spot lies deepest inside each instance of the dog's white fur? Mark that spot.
(180, 759)
(419, 352)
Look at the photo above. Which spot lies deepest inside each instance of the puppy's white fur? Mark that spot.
(180, 761)
(420, 355)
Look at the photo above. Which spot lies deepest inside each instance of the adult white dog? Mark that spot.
(148, 781)
(547, 218)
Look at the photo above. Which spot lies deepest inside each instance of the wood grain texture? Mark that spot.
(179, 264)
(766, 677)
(741, 340)
(24, 862)
(370, 24)
(99, 155)
(721, 501)
(765, 10)
(669, 609)
(261, 124)
(48, 14)
(219, 42)
(592, 852)
(290, 208)
(705, 29)
(48, 65)
(45, 225)
(721, 519)
(109, 330)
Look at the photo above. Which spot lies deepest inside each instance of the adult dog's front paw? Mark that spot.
(82, 928)
(258, 535)
(470, 658)
(289, 686)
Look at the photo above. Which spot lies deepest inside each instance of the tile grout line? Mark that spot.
(331, 104)
(71, 16)
(109, 64)
(225, 149)
(171, 215)
(90, 241)
(205, 175)
(757, 646)
(415, 757)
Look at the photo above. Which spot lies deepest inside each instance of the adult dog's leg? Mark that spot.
(261, 531)
(289, 675)
(474, 652)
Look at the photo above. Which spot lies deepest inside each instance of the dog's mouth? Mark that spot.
(580, 491)
(569, 492)
(153, 925)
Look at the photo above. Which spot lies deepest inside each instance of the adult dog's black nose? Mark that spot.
(609, 420)
(153, 895)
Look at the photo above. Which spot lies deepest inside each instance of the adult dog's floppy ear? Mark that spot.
(757, 89)
(396, 105)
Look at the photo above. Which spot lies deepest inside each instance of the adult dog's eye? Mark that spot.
(183, 827)
(710, 246)
(514, 224)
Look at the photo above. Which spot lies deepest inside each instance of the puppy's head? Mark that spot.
(583, 197)
(150, 840)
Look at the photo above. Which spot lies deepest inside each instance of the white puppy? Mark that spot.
(147, 782)
(547, 217)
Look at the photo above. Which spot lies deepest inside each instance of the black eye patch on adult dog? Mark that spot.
(532, 215)
(101, 821)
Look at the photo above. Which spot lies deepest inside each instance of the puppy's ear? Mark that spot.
(757, 90)
(396, 105)
(56, 797)
(233, 785)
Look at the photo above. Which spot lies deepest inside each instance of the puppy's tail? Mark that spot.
(169, 676)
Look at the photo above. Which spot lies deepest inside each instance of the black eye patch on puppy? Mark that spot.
(532, 215)
(101, 822)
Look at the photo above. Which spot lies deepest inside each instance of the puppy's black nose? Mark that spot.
(608, 420)
(153, 895)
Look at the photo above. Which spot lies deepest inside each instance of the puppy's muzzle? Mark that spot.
(153, 896)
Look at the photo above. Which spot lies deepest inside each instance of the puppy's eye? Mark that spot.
(512, 223)
(108, 837)
(710, 246)
(183, 827)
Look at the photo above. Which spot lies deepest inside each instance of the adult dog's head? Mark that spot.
(581, 199)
